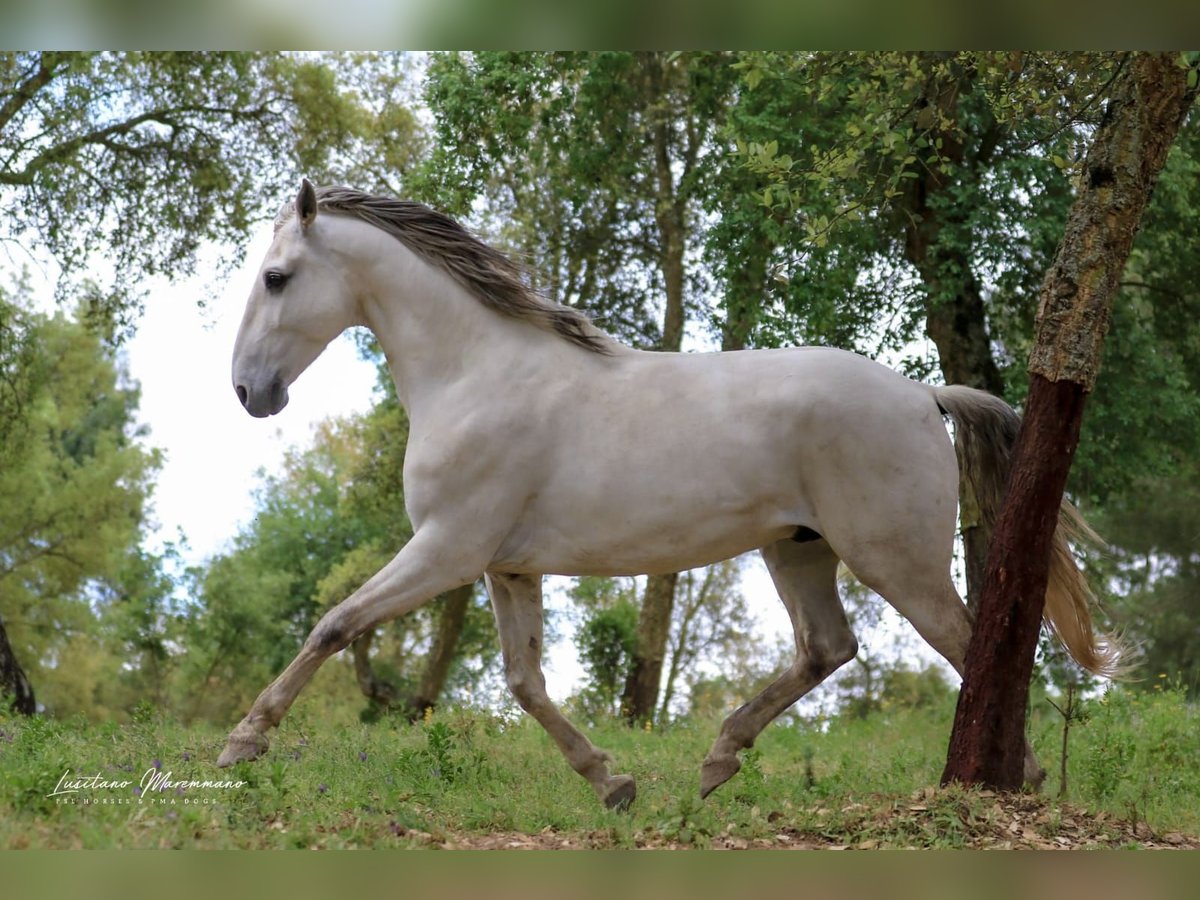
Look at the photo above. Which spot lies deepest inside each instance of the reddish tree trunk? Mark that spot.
(1149, 103)
(987, 744)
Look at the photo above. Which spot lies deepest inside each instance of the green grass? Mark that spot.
(465, 776)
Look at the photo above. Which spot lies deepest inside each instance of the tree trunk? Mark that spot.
(745, 293)
(954, 314)
(451, 618)
(654, 626)
(654, 621)
(1150, 100)
(441, 654)
(13, 682)
(373, 688)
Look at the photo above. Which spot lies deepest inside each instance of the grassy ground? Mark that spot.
(472, 779)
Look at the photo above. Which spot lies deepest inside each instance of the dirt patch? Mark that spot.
(930, 818)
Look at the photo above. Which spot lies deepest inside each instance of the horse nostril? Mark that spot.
(243, 395)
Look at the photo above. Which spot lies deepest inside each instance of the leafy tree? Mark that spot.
(74, 483)
(133, 161)
(928, 192)
(922, 193)
(1157, 567)
(607, 641)
(711, 629)
(1150, 101)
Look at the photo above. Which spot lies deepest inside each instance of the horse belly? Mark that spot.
(654, 554)
(641, 532)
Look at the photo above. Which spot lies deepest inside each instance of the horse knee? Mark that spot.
(528, 687)
(328, 638)
(823, 658)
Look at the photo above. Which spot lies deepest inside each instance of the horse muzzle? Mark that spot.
(263, 402)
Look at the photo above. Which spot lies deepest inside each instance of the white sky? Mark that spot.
(181, 356)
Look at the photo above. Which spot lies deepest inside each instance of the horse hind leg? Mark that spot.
(517, 601)
(805, 576)
(919, 586)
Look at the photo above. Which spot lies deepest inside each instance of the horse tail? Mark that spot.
(985, 432)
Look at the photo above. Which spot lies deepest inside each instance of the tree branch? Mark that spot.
(48, 64)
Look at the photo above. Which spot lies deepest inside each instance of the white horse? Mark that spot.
(538, 444)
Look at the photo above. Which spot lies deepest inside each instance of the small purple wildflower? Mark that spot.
(156, 764)
(362, 757)
(322, 788)
(187, 757)
(137, 792)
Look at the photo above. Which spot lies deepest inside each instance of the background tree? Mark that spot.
(1152, 95)
(74, 484)
(606, 639)
(711, 631)
(128, 163)
(913, 199)
(711, 628)
(919, 198)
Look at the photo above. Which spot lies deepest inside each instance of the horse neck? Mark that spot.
(434, 333)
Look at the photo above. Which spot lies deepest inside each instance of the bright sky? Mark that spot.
(181, 356)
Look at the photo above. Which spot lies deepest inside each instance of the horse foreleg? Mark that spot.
(806, 577)
(517, 601)
(419, 572)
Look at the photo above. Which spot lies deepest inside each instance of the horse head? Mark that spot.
(301, 300)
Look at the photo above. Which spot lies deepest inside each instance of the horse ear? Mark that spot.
(306, 204)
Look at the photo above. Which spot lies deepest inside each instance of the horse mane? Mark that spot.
(488, 275)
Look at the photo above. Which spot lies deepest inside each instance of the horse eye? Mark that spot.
(274, 280)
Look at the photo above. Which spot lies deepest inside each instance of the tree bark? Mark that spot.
(373, 688)
(13, 681)
(1150, 100)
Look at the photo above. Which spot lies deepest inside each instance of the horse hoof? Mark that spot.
(715, 772)
(1035, 779)
(621, 793)
(242, 747)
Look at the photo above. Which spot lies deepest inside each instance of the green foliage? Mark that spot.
(464, 777)
(591, 165)
(74, 485)
(607, 640)
(1138, 751)
(140, 159)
